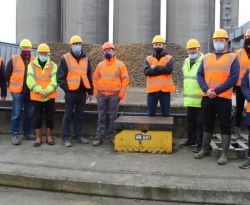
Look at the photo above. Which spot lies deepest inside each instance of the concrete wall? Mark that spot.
(38, 20)
(89, 19)
(190, 19)
(136, 20)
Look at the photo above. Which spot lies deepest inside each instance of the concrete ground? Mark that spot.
(100, 171)
(15, 196)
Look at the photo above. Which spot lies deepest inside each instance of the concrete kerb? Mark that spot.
(126, 190)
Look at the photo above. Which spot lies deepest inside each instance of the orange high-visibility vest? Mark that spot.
(42, 78)
(17, 76)
(76, 72)
(244, 63)
(217, 71)
(248, 103)
(162, 82)
(108, 77)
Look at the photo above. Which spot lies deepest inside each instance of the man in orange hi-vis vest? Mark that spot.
(217, 74)
(158, 68)
(74, 77)
(15, 75)
(244, 58)
(110, 81)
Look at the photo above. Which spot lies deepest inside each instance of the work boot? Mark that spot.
(236, 133)
(225, 143)
(205, 146)
(39, 140)
(97, 141)
(66, 142)
(245, 164)
(83, 140)
(15, 139)
(49, 138)
(188, 143)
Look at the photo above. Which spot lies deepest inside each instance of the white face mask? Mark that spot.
(43, 58)
(194, 56)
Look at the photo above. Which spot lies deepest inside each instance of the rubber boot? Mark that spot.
(205, 146)
(49, 138)
(38, 141)
(225, 143)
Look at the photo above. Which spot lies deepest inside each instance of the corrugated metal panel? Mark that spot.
(8, 49)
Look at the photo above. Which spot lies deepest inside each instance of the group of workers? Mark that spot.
(208, 86)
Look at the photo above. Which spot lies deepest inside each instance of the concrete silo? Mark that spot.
(87, 18)
(38, 20)
(190, 19)
(136, 20)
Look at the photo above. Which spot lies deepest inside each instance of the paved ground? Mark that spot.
(101, 171)
(15, 196)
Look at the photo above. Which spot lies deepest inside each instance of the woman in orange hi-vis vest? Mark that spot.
(110, 82)
(158, 68)
(41, 80)
(243, 55)
(15, 75)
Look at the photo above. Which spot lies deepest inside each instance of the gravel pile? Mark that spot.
(133, 55)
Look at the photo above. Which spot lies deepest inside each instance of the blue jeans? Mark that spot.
(19, 101)
(152, 101)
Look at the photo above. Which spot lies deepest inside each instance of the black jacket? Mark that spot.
(2, 81)
(62, 73)
(159, 70)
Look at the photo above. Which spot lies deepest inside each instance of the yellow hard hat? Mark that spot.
(25, 43)
(220, 33)
(108, 45)
(43, 48)
(75, 39)
(193, 43)
(247, 34)
(158, 39)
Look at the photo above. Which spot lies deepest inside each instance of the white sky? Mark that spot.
(8, 18)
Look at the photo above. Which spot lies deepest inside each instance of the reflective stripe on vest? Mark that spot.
(217, 71)
(17, 76)
(76, 72)
(192, 93)
(162, 82)
(244, 64)
(42, 78)
(106, 78)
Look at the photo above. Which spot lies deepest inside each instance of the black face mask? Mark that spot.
(247, 43)
(158, 51)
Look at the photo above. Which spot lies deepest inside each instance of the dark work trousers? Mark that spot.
(195, 126)
(220, 108)
(106, 104)
(248, 140)
(152, 101)
(41, 108)
(240, 101)
(74, 104)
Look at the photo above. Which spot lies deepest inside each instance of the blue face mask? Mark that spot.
(43, 58)
(107, 55)
(194, 56)
(219, 46)
(76, 49)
